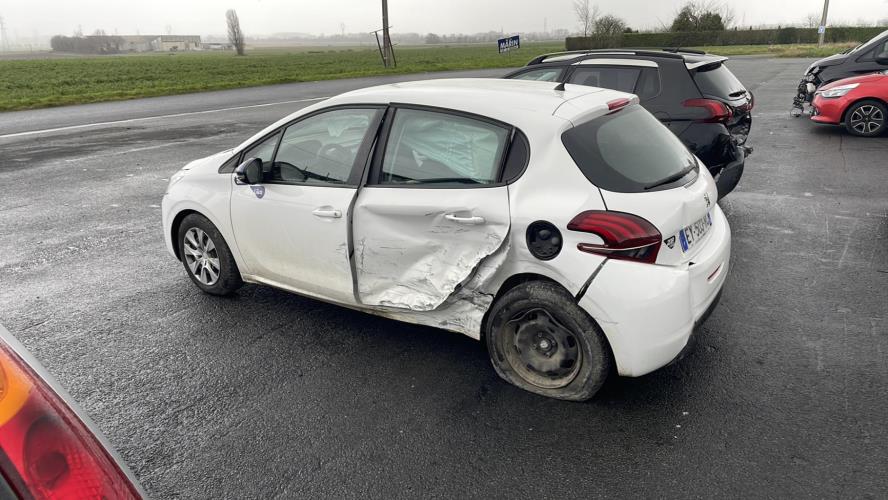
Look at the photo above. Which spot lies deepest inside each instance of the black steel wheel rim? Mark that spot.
(541, 350)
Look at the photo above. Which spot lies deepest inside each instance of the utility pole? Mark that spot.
(822, 29)
(387, 56)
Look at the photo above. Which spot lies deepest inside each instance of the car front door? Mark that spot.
(434, 207)
(292, 229)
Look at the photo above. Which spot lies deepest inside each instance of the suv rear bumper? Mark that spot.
(648, 312)
(729, 175)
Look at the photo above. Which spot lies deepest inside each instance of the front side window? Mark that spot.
(540, 75)
(264, 151)
(434, 148)
(622, 79)
(322, 149)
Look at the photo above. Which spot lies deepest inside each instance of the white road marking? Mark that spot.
(174, 115)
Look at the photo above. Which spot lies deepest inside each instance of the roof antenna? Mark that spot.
(559, 87)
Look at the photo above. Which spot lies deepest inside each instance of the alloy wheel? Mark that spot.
(867, 119)
(201, 256)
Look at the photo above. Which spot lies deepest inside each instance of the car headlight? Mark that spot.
(839, 91)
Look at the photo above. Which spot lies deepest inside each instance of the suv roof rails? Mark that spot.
(667, 53)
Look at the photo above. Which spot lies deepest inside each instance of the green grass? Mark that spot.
(44, 82)
(38, 83)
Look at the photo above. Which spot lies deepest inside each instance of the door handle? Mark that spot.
(328, 213)
(465, 220)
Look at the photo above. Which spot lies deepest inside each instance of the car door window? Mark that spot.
(648, 84)
(264, 150)
(322, 149)
(623, 79)
(435, 148)
(541, 75)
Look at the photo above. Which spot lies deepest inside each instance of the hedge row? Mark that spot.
(728, 37)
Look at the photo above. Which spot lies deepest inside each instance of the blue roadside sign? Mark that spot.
(508, 43)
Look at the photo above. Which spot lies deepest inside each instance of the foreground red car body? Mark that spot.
(859, 103)
(49, 449)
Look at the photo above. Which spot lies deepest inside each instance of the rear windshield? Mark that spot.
(718, 81)
(629, 151)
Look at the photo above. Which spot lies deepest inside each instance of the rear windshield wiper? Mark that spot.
(672, 178)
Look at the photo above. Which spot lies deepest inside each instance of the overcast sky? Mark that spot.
(24, 18)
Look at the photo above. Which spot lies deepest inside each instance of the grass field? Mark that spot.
(37, 83)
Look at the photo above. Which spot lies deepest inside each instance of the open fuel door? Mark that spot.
(433, 209)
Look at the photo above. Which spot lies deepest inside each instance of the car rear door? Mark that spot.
(433, 207)
(292, 229)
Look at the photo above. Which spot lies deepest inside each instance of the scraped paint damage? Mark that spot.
(397, 270)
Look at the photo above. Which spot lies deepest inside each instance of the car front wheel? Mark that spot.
(206, 256)
(866, 118)
(540, 340)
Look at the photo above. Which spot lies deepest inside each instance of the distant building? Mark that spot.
(176, 43)
(148, 43)
(216, 46)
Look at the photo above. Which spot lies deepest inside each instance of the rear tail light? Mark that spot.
(716, 111)
(625, 236)
(46, 451)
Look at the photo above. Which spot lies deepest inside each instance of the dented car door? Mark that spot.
(432, 210)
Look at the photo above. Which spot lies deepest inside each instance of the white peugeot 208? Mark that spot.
(563, 225)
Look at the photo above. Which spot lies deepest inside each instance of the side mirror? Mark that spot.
(249, 172)
(883, 60)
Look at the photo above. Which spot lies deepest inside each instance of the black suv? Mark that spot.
(692, 93)
(869, 57)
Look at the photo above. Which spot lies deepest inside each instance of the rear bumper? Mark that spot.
(729, 175)
(648, 312)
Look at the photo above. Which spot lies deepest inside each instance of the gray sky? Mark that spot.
(25, 18)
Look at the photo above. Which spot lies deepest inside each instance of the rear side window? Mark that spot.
(629, 151)
(623, 79)
(648, 84)
(541, 75)
(427, 147)
(717, 81)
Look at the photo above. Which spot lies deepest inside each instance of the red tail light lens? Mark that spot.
(717, 111)
(46, 451)
(626, 236)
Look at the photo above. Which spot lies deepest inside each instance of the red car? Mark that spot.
(48, 448)
(860, 103)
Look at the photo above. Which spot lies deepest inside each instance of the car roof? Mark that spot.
(692, 58)
(517, 102)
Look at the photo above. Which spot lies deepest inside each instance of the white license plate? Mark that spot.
(690, 235)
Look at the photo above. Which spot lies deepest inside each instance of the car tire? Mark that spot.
(206, 257)
(540, 340)
(866, 118)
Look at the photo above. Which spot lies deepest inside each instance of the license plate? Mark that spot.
(690, 235)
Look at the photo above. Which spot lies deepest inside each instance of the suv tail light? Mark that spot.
(625, 236)
(717, 111)
(46, 451)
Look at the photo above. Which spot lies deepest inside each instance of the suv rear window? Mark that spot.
(716, 80)
(629, 151)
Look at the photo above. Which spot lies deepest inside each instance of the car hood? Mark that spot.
(209, 162)
(871, 78)
(833, 60)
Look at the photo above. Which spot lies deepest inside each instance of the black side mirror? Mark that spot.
(249, 172)
(883, 60)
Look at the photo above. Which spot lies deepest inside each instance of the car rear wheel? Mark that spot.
(866, 118)
(540, 340)
(206, 256)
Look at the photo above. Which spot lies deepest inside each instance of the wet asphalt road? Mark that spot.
(267, 394)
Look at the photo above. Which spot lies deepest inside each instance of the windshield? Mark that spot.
(629, 151)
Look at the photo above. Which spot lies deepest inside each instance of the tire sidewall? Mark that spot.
(595, 364)
(859, 104)
(229, 275)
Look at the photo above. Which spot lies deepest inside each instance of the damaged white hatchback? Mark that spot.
(563, 226)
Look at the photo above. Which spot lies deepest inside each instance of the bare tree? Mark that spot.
(235, 35)
(812, 20)
(586, 14)
(608, 31)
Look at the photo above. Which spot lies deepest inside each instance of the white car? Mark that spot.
(563, 225)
